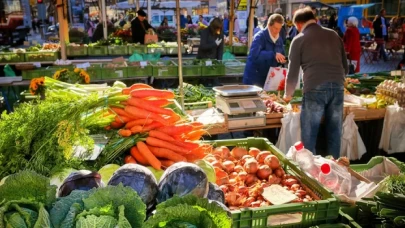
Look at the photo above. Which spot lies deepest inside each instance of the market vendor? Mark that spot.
(139, 26)
(321, 55)
(212, 41)
(266, 51)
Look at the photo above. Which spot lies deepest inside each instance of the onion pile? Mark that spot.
(243, 174)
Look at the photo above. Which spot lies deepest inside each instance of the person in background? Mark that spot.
(315, 12)
(381, 26)
(351, 40)
(165, 22)
(128, 23)
(394, 23)
(89, 26)
(98, 33)
(122, 21)
(212, 41)
(202, 20)
(189, 20)
(321, 55)
(266, 51)
(283, 31)
(255, 23)
(226, 24)
(139, 27)
(51, 19)
(332, 24)
(35, 25)
(236, 28)
(183, 21)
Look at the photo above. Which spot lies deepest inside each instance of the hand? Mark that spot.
(280, 58)
(287, 99)
(218, 41)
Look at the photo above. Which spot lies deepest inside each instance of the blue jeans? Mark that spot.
(325, 100)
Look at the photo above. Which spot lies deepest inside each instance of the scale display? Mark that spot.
(239, 105)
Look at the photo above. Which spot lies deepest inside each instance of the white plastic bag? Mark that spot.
(290, 131)
(352, 146)
(274, 78)
(393, 135)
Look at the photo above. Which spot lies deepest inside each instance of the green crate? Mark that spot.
(174, 50)
(48, 56)
(190, 70)
(228, 48)
(76, 50)
(138, 71)
(234, 67)
(140, 49)
(375, 161)
(30, 74)
(240, 50)
(95, 72)
(214, 70)
(312, 213)
(118, 50)
(153, 50)
(116, 72)
(97, 50)
(12, 57)
(348, 215)
(169, 70)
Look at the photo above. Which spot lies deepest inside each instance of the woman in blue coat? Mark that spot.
(266, 51)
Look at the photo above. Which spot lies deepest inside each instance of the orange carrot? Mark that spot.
(124, 133)
(167, 163)
(128, 90)
(143, 93)
(140, 122)
(196, 154)
(141, 103)
(176, 130)
(195, 135)
(160, 102)
(138, 156)
(124, 103)
(186, 145)
(136, 129)
(119, 111)
(148, 155)
(197, 125)
(173, 118)
(122, 119)
(129, 159)
(167, 154)
(117, 125)
(161, 135)
(179, 138)
(143, 114)
(151, 126)
(163, 144)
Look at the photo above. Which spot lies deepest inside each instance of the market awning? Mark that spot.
(183, 4)
(318, 5)
(363, 6)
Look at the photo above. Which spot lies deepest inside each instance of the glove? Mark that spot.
(218, 41)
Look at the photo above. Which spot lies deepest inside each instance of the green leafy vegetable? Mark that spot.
(196, 93)
(103, 221)
(395, 184)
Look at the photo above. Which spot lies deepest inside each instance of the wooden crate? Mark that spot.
(365, 114)
(274, 118)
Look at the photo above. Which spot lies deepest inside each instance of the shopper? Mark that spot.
(380, 26)
(139, 27)
(236, 28)
(189, 20)
(283, 31)
(266, 51)
(165, 22)
(202, 20)
(122, 21)
(226, 24)
(320, 53)
(212, 41)
(332, 24)
(352, 41)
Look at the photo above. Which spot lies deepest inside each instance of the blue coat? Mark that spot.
(261, 57)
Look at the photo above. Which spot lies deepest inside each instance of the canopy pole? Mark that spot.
(149, 11)
(137, 6)
(104, 18)
(179, 49)
(251, 23)
(231, 21)
(63, 26)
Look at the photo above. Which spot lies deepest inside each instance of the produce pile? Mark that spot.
(29, 200)
(196, 93)
(243, 174)
(392, 92)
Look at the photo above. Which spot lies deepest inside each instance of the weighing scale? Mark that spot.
(241, 103)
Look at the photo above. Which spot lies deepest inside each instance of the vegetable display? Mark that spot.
(243, 174)
(196, 93)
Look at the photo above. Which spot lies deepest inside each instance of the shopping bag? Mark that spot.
(393, 135)
(275, 79)
(290, 131)
(351, 146)
(136, 57)
(151, 57)
(150, 37)
(227, 56)
(8, 71)
(352, 66)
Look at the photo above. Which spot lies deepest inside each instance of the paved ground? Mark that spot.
(381, 65)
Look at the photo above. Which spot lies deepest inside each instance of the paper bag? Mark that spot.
(150, 37)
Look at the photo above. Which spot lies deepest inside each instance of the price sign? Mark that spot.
(83, 65)
(119, 73)
(143, 63)
(208, 63)
(38, 65)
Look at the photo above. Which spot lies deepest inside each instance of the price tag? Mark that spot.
(248, 104)
(83, 65)
(36, 64)
(119, 73)
(26, 43)
(143, 63)
(277, 195)
(208, 63)
(34, 42)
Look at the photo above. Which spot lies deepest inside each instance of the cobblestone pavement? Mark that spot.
(379, 66)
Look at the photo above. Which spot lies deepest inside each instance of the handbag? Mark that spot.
(150, 37)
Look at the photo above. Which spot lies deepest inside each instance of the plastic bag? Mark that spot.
(8, 71)
(136, 57)
(275, 78)
(352, 146)
(393, 135)
(290, 131)
(151, 57)
(227, 56)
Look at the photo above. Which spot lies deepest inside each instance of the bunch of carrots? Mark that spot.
(165, 140)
